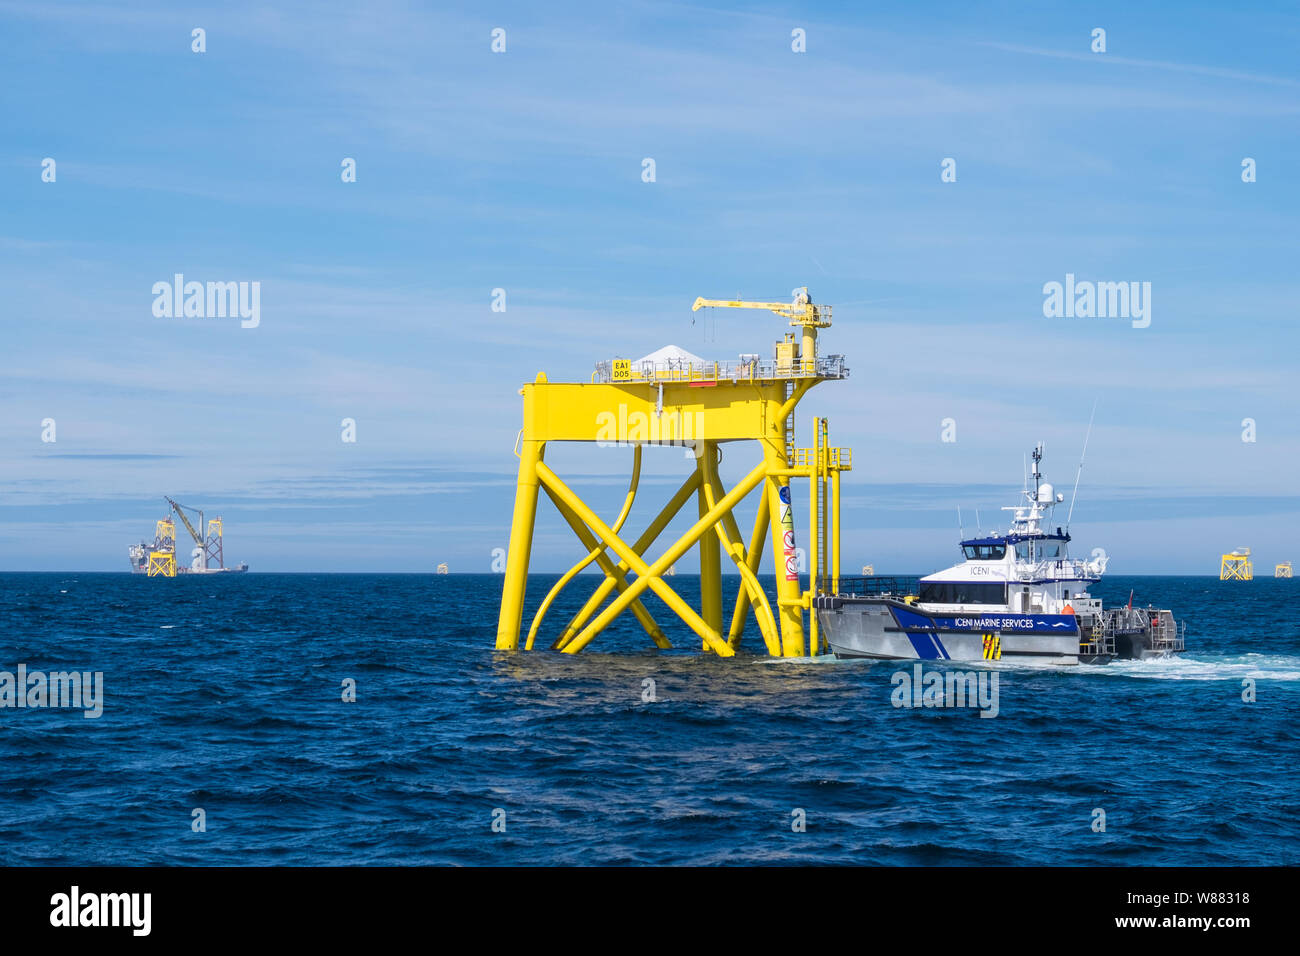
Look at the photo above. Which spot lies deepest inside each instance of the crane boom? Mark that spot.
(800, 312)
(780, 308)
(179, 509)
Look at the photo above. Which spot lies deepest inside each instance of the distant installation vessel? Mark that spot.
(1017, 596)
(158, 558)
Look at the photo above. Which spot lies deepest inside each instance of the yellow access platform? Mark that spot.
(666, 399)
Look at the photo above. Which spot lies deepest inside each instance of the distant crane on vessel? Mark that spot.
(159, 558)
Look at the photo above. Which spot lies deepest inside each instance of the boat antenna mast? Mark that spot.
(1038, 474)
(1074, 495)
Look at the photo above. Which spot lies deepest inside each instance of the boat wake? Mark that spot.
(1227, 667)
(1233, 667)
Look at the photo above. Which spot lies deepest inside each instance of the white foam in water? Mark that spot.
(1233, 667)
(1207, 667)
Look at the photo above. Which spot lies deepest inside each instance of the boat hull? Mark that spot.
(884, 628)
(1137, 647)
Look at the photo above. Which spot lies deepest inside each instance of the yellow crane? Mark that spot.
(198, 541)
(802, 314)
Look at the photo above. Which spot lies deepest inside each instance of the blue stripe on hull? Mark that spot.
(928, 647)
(924, 647)
(1000, 622)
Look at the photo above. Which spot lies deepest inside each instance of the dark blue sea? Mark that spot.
(224, 693)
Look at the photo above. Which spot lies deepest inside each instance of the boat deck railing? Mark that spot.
(1060, 569)
(873, 586)
(1095, 639)
(1165, 633)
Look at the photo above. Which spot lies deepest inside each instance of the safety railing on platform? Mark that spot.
(742, 370)
(841, 458)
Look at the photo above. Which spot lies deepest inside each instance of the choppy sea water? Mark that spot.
(225, 693)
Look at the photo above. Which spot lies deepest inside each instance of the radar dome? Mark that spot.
(1045, 493)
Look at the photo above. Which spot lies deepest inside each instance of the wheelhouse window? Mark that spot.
(1039, 549)
(985, 552)
(963, 592)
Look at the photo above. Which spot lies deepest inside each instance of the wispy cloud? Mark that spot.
(1110, 60)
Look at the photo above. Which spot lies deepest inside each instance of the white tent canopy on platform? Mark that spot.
(671, 356)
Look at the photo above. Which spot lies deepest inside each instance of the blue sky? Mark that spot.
(522, 171)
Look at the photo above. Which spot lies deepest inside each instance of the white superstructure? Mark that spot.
(1027, 570)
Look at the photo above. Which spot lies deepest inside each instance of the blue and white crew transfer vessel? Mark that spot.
(1017, 596)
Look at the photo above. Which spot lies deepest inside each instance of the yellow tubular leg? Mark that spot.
(835, 531)
(591, 556)
(589, 541)
(647, 538)
(813, 542)
(787, 592)
(648, 577)
(732, 542)
(753, 558)
(521, 544)
(729, 535)
(710, 554)
(783, 413)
